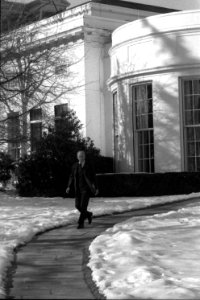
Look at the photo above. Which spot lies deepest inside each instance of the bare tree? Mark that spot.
(34, 69)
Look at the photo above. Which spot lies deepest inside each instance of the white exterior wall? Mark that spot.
(161, 49)
(87, 29)
(98, 27)
(77, 97)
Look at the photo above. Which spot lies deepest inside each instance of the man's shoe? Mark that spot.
(90, 218)
(80, 226)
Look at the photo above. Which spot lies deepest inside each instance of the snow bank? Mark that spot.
(21, 218)
(152, 257)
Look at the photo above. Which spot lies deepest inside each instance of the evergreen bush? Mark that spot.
(6, 166)
(46, 172)
(144, 185)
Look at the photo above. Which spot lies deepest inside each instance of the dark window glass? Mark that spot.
(191, 149)
(197, 116)
(196, 84)
(197, 133)
(189, 117)
(188, 102)
(60, 110)
(191, 97)
(143, 116)
(188, 87)
(198, 149)
(197, 102)
(36, 134)
(35, 114)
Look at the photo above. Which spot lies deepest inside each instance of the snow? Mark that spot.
(151, 257)
(22, 218)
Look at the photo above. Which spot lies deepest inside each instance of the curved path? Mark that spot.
(54, 264)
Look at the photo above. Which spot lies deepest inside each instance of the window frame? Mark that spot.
(184, 126)
(141, 130)
(115, 128)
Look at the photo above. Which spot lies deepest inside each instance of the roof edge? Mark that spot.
(135, 5)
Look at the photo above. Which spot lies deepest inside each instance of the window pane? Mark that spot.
(198, 164)
(60, 110)
(188, 87)
(189, 117)
(140, 138)
(36, 131)
(146, 137)
(146, 107)
(150, 106)
(140, 165)
(139, 107)
(151, 151)
(13, 127)
(196, 84)
(146, 165)
(149, 91)
(151, 140)
(150, 124)
(197, 133)
(140, 152)
(191, 149)
(191, 164)
(36, 134)
(190, 134)
(188, 102)
(152, 165)
(146, 151)
(144, 119)
(197, 116)
(138, 123)
(196, 102)
(198, 149)
(141, 92)
(35, 114)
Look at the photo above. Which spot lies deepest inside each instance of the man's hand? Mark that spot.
(67, 190)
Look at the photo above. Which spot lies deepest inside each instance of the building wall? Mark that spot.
(98, 27)
(86, 31)
(159, 49)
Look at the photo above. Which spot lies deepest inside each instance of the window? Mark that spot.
(35, 114)
(115, 129)
(60, 113)
(36, 127)
(191, 123)
(143, 127)
(13, 133)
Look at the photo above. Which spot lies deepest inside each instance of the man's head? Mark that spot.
(81, 156)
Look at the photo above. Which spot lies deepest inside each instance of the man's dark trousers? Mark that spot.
(81, 203)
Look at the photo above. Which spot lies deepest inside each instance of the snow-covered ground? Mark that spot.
(152, 257)
(21, 218)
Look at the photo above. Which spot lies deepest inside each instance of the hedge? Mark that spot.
(158, 184)
(48, 177)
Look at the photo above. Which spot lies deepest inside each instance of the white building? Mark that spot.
(89, 26)
(134, 61)
(155, 81)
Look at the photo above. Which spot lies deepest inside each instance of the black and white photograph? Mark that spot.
(100, 149)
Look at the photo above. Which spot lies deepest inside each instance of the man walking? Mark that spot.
(84, 180)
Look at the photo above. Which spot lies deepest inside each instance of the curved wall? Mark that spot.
(161, 49)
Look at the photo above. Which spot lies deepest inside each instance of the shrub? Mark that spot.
(6, 166)
(46, 172)
(158, 184)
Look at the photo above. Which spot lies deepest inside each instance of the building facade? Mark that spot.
(87, 27)
(155, 81)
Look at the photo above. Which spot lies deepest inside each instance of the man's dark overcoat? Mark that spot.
(89, 175)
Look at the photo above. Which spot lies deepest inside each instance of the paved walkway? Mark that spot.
(54, 264)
